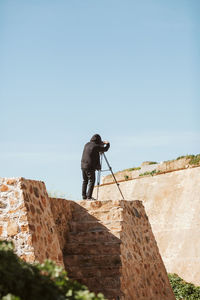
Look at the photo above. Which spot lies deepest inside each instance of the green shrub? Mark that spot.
(134, 169)
(131, 169)
(148, 173)
(183, 289)
(195, 160)
(25, 281)
(186, 156)
(183, 156)
(126, 177)
(152, 162)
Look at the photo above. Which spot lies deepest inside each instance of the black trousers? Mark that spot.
(88, 181)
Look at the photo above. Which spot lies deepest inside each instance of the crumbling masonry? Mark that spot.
(107, 245)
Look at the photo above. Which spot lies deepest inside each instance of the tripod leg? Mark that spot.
(99, 176)
(98, 182)
(113, 175)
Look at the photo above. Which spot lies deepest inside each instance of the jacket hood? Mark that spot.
(96, 138)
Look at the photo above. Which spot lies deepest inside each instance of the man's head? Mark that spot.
(96, 138)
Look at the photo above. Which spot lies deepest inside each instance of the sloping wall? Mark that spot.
(172, 203)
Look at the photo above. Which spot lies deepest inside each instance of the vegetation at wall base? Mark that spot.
(182, 289)
(24, 281)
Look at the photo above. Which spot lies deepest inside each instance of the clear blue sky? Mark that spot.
(128, 70)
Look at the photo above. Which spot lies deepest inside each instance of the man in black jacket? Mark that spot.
(90, 162)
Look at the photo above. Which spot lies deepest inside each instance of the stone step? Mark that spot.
(92, 271)
(92, 248)
(92, 215)
(94, 226)
(95, 205)
(92, 260)
(94, 236)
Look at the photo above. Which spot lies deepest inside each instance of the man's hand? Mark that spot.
(106, 142)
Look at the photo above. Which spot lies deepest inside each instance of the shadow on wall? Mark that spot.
(92, 253)
(109, 246)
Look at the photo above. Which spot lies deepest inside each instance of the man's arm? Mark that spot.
(103, 148)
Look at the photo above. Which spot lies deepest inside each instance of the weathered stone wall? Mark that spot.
(143, 272)
(26, 218)
(14, 224)
(92, 252)
(158, 168)
(107, 245)
(172, 203)
(111, 249)
(62, 214)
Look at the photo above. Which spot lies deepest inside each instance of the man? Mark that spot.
(90, 162)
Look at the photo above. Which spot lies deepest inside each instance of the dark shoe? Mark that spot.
(91, 199)
(84, 198)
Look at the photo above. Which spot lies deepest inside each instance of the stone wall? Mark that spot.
(26, 218)
(107, 245)
(148, 167)
(14, 224)
(143, 273)
(172, 203)
(111, 249)
(62, 215)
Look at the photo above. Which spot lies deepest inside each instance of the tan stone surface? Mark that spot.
(107, 245)
(3, 188)
(1, 230)
(141, 260)
(172, 203)
(13, 215)
(62, 214)
(174, 165)
(110, 248)
(26, 218)
(12, 228)
(120, 176)
(163, 167)
(41, 222)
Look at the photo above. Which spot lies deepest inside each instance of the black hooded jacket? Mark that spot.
(90, 158)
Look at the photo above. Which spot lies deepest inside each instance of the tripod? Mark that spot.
(110, 169)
